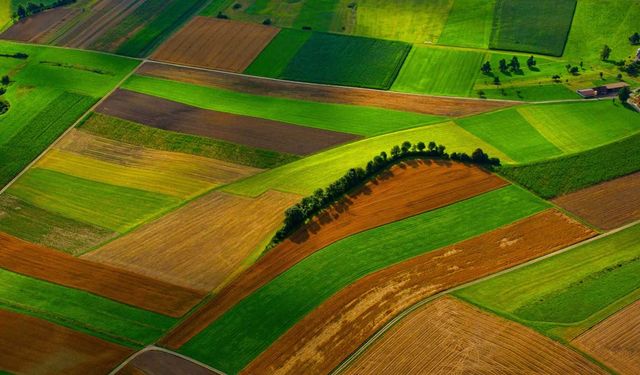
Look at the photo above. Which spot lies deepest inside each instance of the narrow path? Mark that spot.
(159, 349)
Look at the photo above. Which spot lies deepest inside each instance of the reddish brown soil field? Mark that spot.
(156, 362)
(35, 29)
(451, 337)
(123, 286)
(615, 341)
(250, 131)
(406, 191)
(431, 105)
(216, 43)
(327, 335)
(608, 205)
(34, 346)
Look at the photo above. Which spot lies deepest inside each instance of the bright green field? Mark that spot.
(317, 14)
(531, 93)
(305, 175)
(347, 60)
(540, 26)
(567, 290)
(510, 132)
(338, 117)
(81, 311)
(565, 174)
(248, 328)
(439, 71)
(118, 208)
(276, 56)
(469, 24)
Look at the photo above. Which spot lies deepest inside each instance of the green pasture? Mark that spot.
(529, 93)
(440, 71)
(248, 328)
(273, 60)
(561, 175)
(366, 121)
(119, 208)
(540, 26)
(319, 170)
(140, 135)
(565, 293)
(81, 310)
(318, 14)
(469, 24)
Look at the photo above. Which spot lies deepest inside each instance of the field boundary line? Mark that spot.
(70, 128)
(371, 340)
(151, 348)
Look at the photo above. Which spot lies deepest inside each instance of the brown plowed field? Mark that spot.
(451, 337)
(326, 336)
(616, 341)
(156, 362)
(123, 286)
(406, 191)
(35, 29)
(217, 44)
(210, 239)
(250, 131)
(431, 105)
(36, 347)
(608, 205)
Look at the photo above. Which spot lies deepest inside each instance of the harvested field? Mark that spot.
(123, 286)
(405, 192)
(608, 205)
(157, 362)
(211, 238)
(323, 93)
(37, 28)
(450, 337)
(615, 341)
(322, 340)
(249, 131)
(34, 346)
(217, 44)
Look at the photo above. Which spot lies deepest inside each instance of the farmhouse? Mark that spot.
(600, 91)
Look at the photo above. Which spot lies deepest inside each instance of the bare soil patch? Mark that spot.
(250, 131)
(325, 337)
(451, 337)
(157, 362)
(608, 205)
(615, 341)
(217, 44)
(35, 29)
(431, 105)
(405, 191)
(34, 346)
(123, 286)
(210, 239)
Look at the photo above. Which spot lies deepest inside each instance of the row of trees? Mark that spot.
(505, 67)
(308, 207)
(33, 8)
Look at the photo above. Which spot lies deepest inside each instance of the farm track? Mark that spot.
(448, 336)
(37, 28)
(158, 361)
(325, 337)
(34, 346)
(217, 44)
(250, 131)
(123, 286)
(406, 191)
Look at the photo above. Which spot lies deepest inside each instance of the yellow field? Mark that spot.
(5, 13)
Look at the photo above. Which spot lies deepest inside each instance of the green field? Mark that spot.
(305, 175)
(439, 71)
(469, 24)
(540, 26)
(81, 310)
(273, 60)
(140, 135)
(531, 93)
(338, 117)
(558, 176)
(347, 60)
(566, 294)
(248, 328)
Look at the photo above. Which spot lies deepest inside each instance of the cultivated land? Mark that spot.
(608, 205)
(40, 27)
(252, 132)
(614, 341)
(320, 341)
(404, 191)
(205, 249)
(448, 336)
(159, 362)
(35, 346)
(53, 266)
(469, 24)
(217, 44)
(275, 57)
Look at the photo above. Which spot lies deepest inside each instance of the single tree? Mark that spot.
(421, 146)
(395, 151)
(496, 80)
(6, 80)
(574, 70)
(432, 146)
(601, 75)
(531, 62)
(624, 94)
(514, 64)
(635, 38)
(503, 65)
(22, 13)
(486, 68)
(605, 53)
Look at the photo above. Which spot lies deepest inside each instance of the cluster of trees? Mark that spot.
(18, 55)
(308, 207)
(624, 94)
(505, 67)
(33, 8)
(632, 69)
(4, 105)
(635, 38)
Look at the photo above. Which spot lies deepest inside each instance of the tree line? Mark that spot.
(308, 207)
(33, 8)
